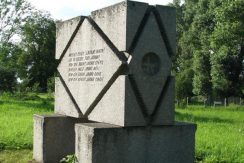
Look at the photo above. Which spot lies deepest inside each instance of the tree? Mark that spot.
(37, 61)
(8, 70)
(7, 79)
(184, 84)
(184, 53)
(179, 31)
(228, 49)
(211, 44)
(28, 37)
(13, 14)
(201, 28)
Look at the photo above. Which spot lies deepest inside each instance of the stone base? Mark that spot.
(54, 137)
(105, 143)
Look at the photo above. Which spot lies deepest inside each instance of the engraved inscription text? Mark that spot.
(85, 66)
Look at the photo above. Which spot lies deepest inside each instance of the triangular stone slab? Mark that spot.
(112, 21)
(62, 100)
(88, 65)
(120, 22)
(133, 113)
(168, 18)
(135, 14)
(150, 64)
(165, 112)
(64, 32)
(123, 110)
(114, 112)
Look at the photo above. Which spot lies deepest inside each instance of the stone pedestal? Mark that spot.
(54, 137)
(105, 143)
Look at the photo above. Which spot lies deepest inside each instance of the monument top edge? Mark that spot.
(77, 18)
(125, 3)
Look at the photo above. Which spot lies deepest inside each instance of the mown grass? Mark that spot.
(16, 112)
(16, 156)
(220, 132)
(219, 136)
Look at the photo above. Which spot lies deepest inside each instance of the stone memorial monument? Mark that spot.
(114, 97)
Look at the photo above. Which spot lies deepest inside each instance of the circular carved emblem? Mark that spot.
(150, 63)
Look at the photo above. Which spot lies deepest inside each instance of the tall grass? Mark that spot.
(220, 132)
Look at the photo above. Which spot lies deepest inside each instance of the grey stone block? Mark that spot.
(64, 31)
(168, 18)
(112, 21)
(105, 143)
(88, 66)
(54, 137)
(120, 22)
(126, 109)
(63, 103)
(117, 67)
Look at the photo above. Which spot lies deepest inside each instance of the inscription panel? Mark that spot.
(87, 66)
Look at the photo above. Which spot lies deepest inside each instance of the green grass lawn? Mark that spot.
(220, 132)
(219, 136)
(16, 156)
(16, 124)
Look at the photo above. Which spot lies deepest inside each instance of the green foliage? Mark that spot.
(37, 61)
(228, 48)
(69, 159)
(51, 85)
(7, 79)
(35, 88)
(184, 84)
(201, 79)
(8, 71)
(210, 42)
(27, 45)
(13, 14)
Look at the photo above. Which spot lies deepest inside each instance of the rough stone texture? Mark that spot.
(62, 100)
(63, 33)
(112, 21)
(104, 143)
(168, 17)
(150, 64)
(126, 18)
(87, 66)
(91, 69)
(54, 137)
(135, 14)
(125, 109)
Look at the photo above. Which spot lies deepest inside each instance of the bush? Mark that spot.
(24, 96)
(51, 85)
(7, 79)
(69, 159)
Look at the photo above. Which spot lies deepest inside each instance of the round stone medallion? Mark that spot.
(150, 64)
